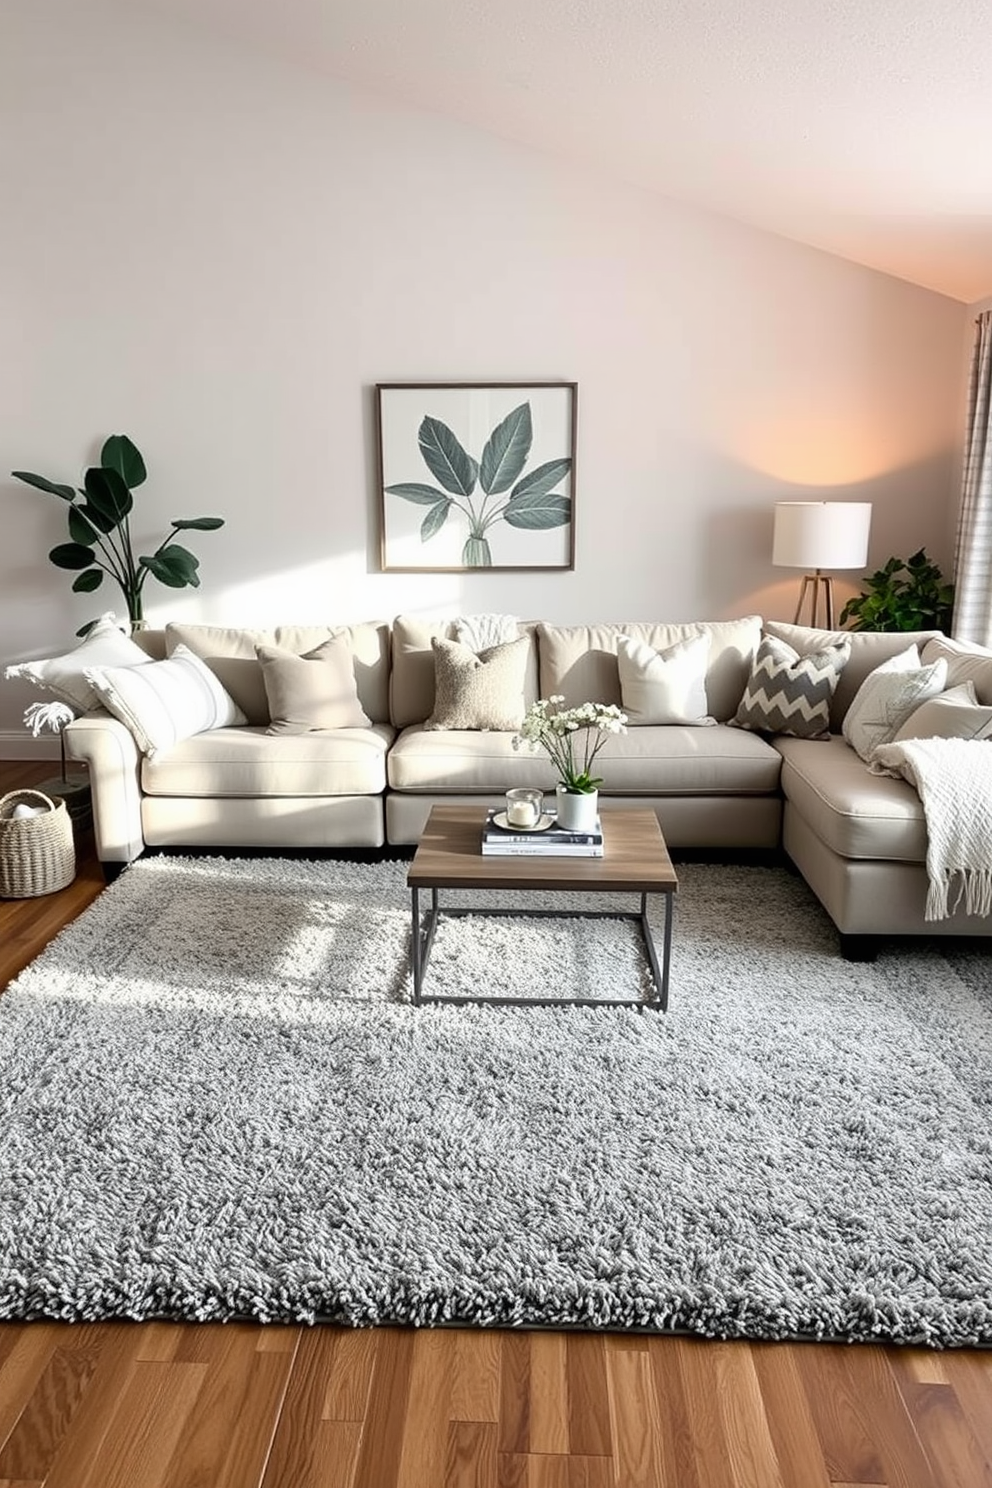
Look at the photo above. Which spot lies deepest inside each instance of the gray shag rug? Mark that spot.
(216, 1101)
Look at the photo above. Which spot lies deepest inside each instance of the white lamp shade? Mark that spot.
(821, 534)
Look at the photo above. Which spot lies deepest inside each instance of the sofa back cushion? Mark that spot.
(230, 653)
(411, 680)
(869, 649)
(580, 661)
(965, 663)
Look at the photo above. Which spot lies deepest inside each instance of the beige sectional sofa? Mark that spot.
(858, 839)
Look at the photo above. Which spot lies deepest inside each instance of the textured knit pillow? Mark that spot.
(660, 687)
(954, 714)
(887, 697)
(483, 690)
(165, 701)
(65, 676)
(313, 691)
(790, 694)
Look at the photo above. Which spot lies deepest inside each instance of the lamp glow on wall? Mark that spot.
(817, 535)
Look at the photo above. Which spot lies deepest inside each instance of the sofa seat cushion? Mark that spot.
(855, 813)
(249, 762)
(656, 761)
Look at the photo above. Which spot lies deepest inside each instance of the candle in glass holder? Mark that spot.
(523, 807)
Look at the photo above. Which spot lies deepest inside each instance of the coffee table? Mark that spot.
(635, 861)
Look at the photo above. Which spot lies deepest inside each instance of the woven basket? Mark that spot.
(37, 855)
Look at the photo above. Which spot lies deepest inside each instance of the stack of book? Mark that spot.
(552, 842)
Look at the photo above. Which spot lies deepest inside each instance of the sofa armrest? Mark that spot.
(111, 755)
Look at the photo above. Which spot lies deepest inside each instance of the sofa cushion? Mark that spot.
(164, 702)
(664, 687)
(312, 691)
(790, 694)
(579, 662)
(965, 663)
(854, 813)
(478, 690)
(954, 714)
(655, 761)
(887, 697)
(248, 762)
(230, 653)
(869, 648)
(65, 676)
(411, 678)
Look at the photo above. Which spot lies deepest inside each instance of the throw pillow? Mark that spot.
(662, 687)
(105, 644)
(481, 631)
(314, 691)
(887, 697)
(790, 694)
(954, 714)
(165, 701)
(483, 690)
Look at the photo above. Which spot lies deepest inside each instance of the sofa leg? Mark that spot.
(859, 947)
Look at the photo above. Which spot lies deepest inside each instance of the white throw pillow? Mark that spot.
(955, 714)
(65, 676)
(165, 701)
(661, 687)
(887, 697)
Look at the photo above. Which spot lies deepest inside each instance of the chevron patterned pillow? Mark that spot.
(790, 694)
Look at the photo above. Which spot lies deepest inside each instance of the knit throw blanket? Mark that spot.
(953, 778)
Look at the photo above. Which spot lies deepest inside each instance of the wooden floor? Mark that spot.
(127, 1405)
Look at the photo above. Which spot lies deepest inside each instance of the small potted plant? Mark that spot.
(572, 738)
(905, 594)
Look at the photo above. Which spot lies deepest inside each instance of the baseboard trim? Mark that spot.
(21, 744)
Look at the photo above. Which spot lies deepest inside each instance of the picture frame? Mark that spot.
(476, 476)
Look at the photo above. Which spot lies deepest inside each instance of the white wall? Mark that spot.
(221, 256)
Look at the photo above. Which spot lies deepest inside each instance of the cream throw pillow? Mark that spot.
(313, 691)
(165, 701)
(887, 697)
(483, 690)
(64, 677)
(955, 714)
(669, 686)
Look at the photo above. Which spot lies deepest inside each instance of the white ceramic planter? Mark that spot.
(577, 810)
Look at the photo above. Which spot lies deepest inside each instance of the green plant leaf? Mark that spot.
(86, 582)
(435, 519)
(199, 524)
(121, 455)
(420, 495)
(81, 530)
(84, 630)
(108, 492)
(476, 553)
(542, 478)
(66, 492)
(535, 511)
(71, 555)
(96, 518)
(506, 451)
(445, 458)
(174, 567)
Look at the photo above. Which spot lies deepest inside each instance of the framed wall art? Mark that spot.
(476, 475)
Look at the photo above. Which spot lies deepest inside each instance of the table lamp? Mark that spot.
(816, 535)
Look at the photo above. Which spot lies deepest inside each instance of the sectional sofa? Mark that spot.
(859, 839)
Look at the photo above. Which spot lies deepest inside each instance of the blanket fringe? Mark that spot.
(974, 886)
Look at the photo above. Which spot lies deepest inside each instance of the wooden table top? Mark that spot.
(635, 858)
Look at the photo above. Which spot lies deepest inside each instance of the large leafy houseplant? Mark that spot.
(904, 594)
(100, 531)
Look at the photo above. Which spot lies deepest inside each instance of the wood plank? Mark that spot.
(679, 1458)
(145, 1427)
(789, 1416)
(470, 1458)
(549, 1398)
(955, 1455)
(386, 1422)
(425, 1441)
(351, 1358)
(515, 1399)
(23, 1367)
(475, 1374)
(638, 1450)
(30, 1448)
(293, 1455)
(589, 1427)
(861, 1420)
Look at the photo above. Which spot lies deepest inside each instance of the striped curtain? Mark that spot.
(973, 556)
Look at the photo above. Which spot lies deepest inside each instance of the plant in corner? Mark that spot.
(905, 594)
(99, 526)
